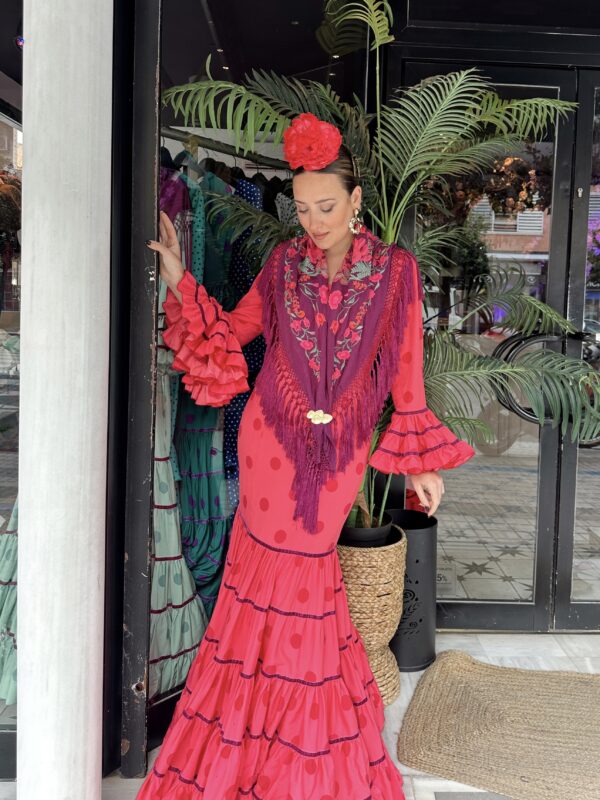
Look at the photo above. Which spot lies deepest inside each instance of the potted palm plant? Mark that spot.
(410, 151)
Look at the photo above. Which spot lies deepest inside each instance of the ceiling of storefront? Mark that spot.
(267, 34)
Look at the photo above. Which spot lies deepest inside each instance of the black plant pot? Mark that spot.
(370, 537)
(413, 644)
(395, 498)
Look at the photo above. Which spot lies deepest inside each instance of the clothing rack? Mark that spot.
(192, 139)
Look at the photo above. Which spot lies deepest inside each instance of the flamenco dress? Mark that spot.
(280, 702)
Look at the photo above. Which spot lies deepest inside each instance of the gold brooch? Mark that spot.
(319, 417)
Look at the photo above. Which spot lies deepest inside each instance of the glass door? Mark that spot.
(578, 567)
(497, 522)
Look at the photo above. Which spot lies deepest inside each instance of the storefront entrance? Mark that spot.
(515, 539)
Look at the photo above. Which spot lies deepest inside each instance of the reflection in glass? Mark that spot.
(586, 545)
(488, 532)
(11, 147)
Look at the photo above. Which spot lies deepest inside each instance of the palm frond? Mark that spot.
(222, 104)
(473, 430)
(524, 118)
(377, 14)
(341, 38)
(554, 387)
(432, 249)
(290, 96)
(262, 231)
(505, 289)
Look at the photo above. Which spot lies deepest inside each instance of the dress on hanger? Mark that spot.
(9, 542)
(178, 619)
(240, 278)
(281, 703)
(206, 514)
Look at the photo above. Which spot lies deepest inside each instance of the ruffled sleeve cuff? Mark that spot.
(415, 442)
(206, 350)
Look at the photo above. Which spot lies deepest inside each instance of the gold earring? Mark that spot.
(355, 223)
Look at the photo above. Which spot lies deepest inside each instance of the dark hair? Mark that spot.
(343, 167)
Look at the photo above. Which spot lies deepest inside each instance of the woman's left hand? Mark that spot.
(429, 487)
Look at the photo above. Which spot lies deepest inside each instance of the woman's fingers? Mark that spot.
(169, 228)
(429, 488)
(420, 490)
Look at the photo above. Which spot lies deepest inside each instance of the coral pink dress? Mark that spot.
(280, 703)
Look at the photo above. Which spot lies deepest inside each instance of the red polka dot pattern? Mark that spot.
(296, 641)
(320, 526)
(264, 504)
(329, 593)
(347, 508)
(257, 424)
(331, 485)
(249, 462)
(407, 397)
(407, 358)
(280, 536)
(360, 468)
(303, 595)
(314, 711)
(275, 463)
(310, 767)
(310, 677)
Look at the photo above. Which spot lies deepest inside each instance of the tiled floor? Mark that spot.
(487, 531)
(579, 652)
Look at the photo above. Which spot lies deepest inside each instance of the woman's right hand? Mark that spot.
(171, 268)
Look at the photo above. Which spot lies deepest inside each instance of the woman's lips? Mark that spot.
(319, 235)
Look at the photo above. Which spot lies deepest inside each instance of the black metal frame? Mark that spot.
(142, 384)
(576, 614)
(118, 385)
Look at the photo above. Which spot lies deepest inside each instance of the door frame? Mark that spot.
(569, 614)
(538, 615)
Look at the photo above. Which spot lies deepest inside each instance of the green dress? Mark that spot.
(177, 617)
(206, 515)
(8, 609)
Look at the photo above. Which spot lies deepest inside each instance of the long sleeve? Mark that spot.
(415, 440)
(207, 341)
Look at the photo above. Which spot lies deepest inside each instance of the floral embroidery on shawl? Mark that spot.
(312, 304)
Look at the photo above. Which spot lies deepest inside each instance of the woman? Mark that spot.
(280, 703)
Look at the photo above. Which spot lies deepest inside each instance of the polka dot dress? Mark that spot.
(240, 278)
(280, 703)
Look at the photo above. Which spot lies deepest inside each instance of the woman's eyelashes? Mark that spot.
(323, 210)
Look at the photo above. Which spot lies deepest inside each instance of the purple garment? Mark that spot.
(175, 202)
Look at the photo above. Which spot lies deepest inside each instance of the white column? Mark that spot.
(67, 107)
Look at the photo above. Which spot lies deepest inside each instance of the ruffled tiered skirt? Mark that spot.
(280, 701)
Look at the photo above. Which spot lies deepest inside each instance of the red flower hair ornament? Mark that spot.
(311, 143)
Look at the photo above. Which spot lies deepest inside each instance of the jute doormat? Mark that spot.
(528, 734)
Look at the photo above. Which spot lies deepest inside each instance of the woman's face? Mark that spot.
(325, 208)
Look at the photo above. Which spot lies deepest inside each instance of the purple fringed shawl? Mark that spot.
(333, 349)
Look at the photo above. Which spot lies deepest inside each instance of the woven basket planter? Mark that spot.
(374, 581)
